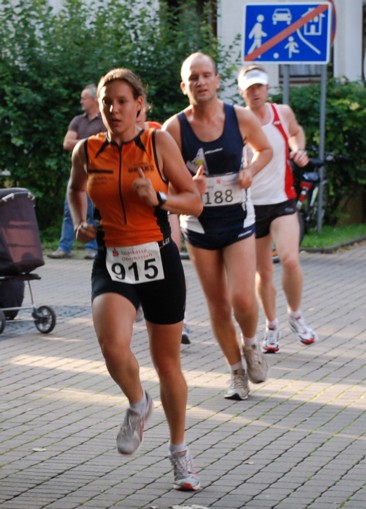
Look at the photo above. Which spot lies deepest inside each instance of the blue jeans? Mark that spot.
(67, 231)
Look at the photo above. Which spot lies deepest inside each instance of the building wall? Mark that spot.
(348, 58)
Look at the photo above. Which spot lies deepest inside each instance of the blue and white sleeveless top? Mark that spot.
(226, 205)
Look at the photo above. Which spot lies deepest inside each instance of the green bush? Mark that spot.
(47, 57)
(344, 137)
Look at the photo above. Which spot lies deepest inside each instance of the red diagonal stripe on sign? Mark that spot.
(287, 31)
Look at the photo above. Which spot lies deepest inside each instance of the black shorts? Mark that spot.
(218, 240)
(163, 301)
(265, 214)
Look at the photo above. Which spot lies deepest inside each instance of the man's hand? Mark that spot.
(200, 180)
(245, 178)
(300, 157)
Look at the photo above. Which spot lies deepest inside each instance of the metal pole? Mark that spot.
(323, 101)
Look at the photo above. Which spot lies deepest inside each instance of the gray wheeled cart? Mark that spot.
(20, 254)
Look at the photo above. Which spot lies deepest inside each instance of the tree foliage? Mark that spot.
(47, 57)
(344, 138)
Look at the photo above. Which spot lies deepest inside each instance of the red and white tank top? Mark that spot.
(275, 183)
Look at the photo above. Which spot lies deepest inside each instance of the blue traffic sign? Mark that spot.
(287, 33)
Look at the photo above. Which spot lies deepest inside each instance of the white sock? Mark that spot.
(295, 314)
(173, 448)
(236, 366)
(272, 324)
(141, 405)
(250, 341)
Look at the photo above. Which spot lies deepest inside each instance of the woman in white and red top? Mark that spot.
(274, 198)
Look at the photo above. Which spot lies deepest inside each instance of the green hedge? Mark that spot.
(344, 137)
(47, 57)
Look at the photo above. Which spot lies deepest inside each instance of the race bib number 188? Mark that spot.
(222, 190)
(135, 264)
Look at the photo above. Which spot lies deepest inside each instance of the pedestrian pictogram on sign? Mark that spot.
(287, 33)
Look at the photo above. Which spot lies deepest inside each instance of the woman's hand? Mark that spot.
(144, 189)
(85, 232)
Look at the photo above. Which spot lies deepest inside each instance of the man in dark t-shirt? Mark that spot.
(80, 127)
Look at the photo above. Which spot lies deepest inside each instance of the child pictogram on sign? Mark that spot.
(292, 46)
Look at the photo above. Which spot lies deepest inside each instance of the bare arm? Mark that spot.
(70, 140)
(185, 198)
(173, 127)
(297, 140)
(76, 194)
(253, 134)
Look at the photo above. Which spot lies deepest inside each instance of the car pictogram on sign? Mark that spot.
(281, 15)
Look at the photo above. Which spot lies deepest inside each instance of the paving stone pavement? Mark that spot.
(298, 442)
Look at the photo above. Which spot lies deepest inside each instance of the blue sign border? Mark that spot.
(304, 50)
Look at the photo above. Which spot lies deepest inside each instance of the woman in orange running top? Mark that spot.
(127, 172)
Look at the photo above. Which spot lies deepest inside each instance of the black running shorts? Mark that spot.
(218, 239)
(163, 301)
(265, 214)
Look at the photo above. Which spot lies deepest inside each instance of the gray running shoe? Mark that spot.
(257, 365)
(239, 388)
(185, 475)
(129, 437)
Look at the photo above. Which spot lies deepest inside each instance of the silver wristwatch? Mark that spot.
(162, 198)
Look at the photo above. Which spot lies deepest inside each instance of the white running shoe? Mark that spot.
(130, 435)
(185, 334)
(270, 343)
(257, 365)
(239, 388)
(185, 475)
(305, 334)
(139, 314)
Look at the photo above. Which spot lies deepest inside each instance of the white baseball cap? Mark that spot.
(252, 77)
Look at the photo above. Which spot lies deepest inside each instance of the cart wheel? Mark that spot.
(2, 321)
(44, 319)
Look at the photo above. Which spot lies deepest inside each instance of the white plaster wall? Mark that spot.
(348, 60)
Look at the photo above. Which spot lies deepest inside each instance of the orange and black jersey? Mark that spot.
(125, 219)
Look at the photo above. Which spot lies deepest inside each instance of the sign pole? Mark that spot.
(323, 101)
(286, 84)
(291, 33)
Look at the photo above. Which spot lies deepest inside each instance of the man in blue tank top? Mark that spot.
(221, 240)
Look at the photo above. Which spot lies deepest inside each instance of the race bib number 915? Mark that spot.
(135, 264)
